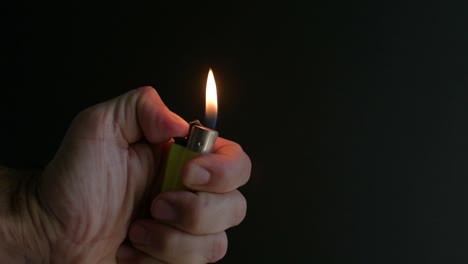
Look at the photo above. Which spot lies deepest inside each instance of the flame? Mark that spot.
(211, 105)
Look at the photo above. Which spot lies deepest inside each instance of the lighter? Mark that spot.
(200, 140)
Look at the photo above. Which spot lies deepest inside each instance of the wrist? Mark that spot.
(26, 231)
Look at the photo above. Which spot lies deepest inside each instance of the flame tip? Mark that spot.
(211, 107)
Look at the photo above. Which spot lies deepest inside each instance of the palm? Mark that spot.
(93, 188)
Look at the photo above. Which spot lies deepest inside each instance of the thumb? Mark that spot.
(151, 116)
(134, 116)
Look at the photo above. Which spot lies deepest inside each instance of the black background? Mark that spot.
(354, 113)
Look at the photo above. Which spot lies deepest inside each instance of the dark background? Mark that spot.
(354, 113)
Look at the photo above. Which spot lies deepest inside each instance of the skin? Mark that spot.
(96, 201)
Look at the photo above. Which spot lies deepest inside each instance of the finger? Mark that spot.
(129, 255)
(224, 170)
(174, 246)
(200, 213)
(131, 117)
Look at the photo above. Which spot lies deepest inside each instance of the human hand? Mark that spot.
(103, 176)
(192, 224)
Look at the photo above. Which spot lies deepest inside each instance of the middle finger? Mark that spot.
(200, 213)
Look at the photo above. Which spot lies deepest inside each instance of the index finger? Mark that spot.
(224, 170)
(136, 115)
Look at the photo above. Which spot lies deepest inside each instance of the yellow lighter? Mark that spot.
(199, 140)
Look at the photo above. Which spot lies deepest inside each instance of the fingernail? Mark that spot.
(197, 175)
(163, 210)
(125, 252)
(138, 234)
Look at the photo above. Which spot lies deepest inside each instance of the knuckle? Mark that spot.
(236, 146)
(91, 119)
(146, 90)
(218, 248)
(227, 178)
(194, 221)
(165, 242)
(247, 168)
(90, 114)
(195, 206)
(240, 210)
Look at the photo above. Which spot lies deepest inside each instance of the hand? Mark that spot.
(189, 226)
(102, 179)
